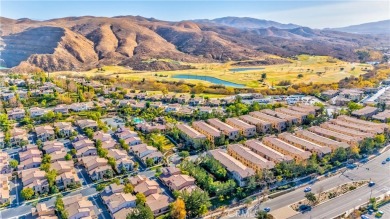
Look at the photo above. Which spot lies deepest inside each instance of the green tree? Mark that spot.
(68, 157)
(263, 215)
(27, 193)
(149, 162)
(141, 199)
(197, 202)
(13, 163)
(311, 197)
(128, 188)
(141, 211)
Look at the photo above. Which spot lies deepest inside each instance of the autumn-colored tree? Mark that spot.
(178, 209)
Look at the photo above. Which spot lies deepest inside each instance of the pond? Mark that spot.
(245, 69)
(209, 79)
(1, 67)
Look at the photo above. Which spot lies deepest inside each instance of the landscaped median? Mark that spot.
(324, 196)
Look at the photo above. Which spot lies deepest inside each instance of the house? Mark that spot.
(52, 146)
(82, 143)
(138, 105)
(133, 141)
(190, 135)
(36, 112)
(79, 207)
(101, 136)
(109, 144)
(122, 213)
(352, 94)
(31, 151)
(268, 153)
(4, 163)
(118, 201)
(87, 123)
(380, 126)
(246, 130)
(185, 111)
(22, 94)
(329, 94)
(150, 127)
(145, 186)
(2, 140)
(145, 152)
(262, 126)
(213, 135)
(97, 167)
(18, 137)
(8, 96)
(366, 112)
(304, 144)
(196, 101)
(45, 132)
(123, 161)
(228, 130)
(64, 129)
(16, 113)
(286, 148)
(320, 140)
(205, 110)
(238, 171)
(78, 107)
(4, 189)
(249, 158)
(35, 179)
(86, 151)
(304, 109)
(158, 203)
(173, 108)
(125, 133)
(277, 123)
(335, 135)
(66, 174)
(42, 211)
(359, 127)
(178, 182)
(61, 108)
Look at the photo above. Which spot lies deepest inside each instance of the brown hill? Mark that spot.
(85, 42)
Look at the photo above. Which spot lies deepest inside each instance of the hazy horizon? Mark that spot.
(311, 13)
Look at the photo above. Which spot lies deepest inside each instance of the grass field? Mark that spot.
(316, 69)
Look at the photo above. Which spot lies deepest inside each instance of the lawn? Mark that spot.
(316, 69)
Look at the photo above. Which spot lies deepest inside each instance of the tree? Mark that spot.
(141, 211)
(60, 207)
(13, 163)
(178, 209)
(89, 133)
(263, 76)
(128, 188)
(380, 139)
(27, 193)
(197, 202)
(141, 199)
(51, 177)
(68, 157)
(311, 197)
(263, 215)
(184, 154)
(149, 162)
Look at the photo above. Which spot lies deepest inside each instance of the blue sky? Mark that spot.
(312, 13)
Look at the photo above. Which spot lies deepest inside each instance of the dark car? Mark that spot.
(388, 159)
(267, 209)
(384, 162)
(371, 183)
(308, 189)
(304, 208)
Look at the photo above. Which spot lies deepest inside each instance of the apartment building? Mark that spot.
(238, 171)
(286, 148)
(213, 135)
(304, 144)
(277, 123)
(320, 140)
(355, 126)
(301, 116)
(228, 130)
(291, 120)
(304, 109)
(268, 153)
(382, 116)
(346, 131)
(249, 158)
(379, 126)
(246, 130)
(335, 135)
(262, 126)
(366, 112)
(190, 135)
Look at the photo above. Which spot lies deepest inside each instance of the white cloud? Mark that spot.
(333, 15)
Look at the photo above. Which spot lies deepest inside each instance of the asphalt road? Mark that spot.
(378, 173)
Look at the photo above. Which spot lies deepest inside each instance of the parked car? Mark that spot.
(364, 217)
(304, 208)
(267, 209)
(388, 159)
(384, 162)
(364, 160)
(307, 189)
